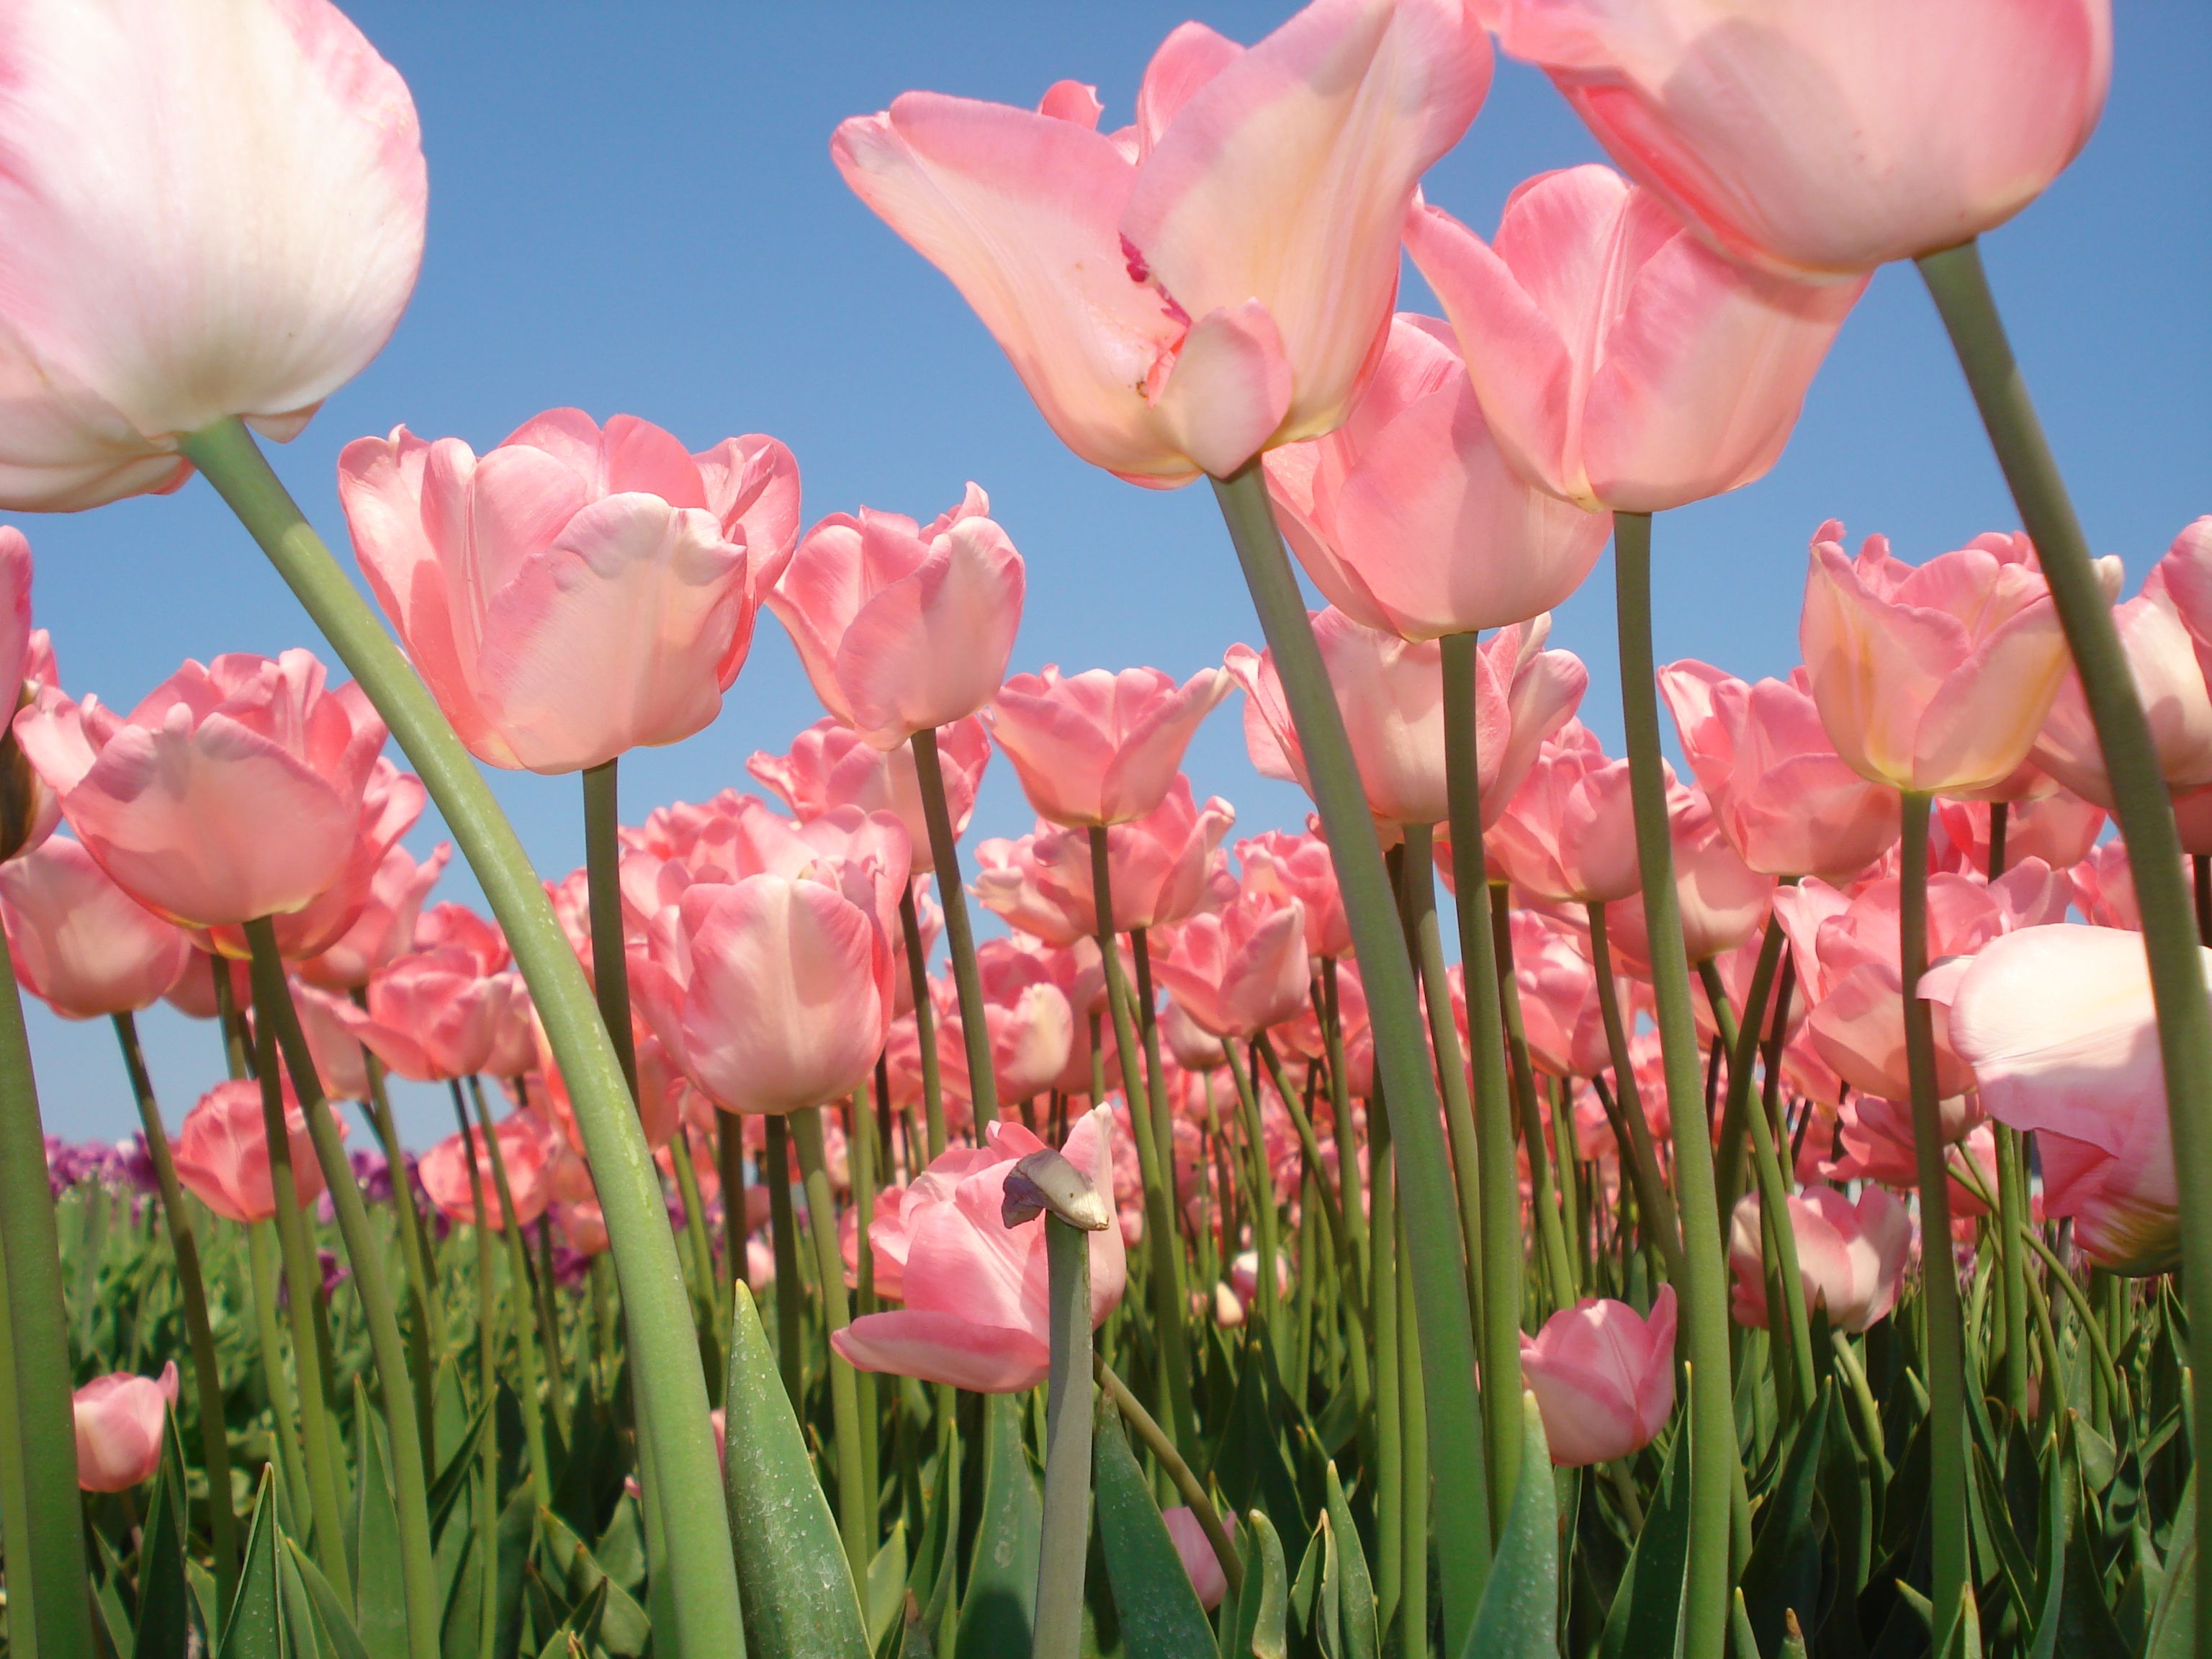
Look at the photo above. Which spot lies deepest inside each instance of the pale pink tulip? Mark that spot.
(1850, 1257)
(1219, 277)
(1815, 138)
(222, 1152)
(1723, 902)
(234, 791)
(1408, 517)
(661, 1090)
(1560, 1013)
(385, 930)
(2058, 1026)
(1161, 867)
(194, 994)
(1279, 866)
(1874, 1141)
(1196, 1553)
(1567, 833)
(1238, 969)
(1031, 1025)
(435, 1014)
(80, 941)
(2105, 888)
(1622, 363)
(830, 765)
(210, 211)
(2058, 827)
(1603, 1375)
(903, 628)
(975, 1288)
(2170, 685)
(578, 591)
(529, 1152)
(341, 1065)
(1790, 805)
(1934, 678)
(120, 1421)
(1100, 747)
(457, 928)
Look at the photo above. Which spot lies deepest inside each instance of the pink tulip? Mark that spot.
(1100, 747)
(1278, 865)
(974, 1288)
(1723, 902)
(1850, 1257)
(385, 930)
(579, 590)
(903, 628)
(194, 994)
(1603, 1375)
(1196, 1553)
(234, 791)
(14, 608)
(661, 1090)
(1239, 969)
(1560, 1013)
(2171, 686)
(1846, 951)
(1567, 833)
(528, 1150)
(2058, 1026)
(210, 212)
(830, 765)
(1161, 867)
(455, 927)
(1875, 1142)
(435, 1014)
(120, 1420)
(1934, 678)
(222, 1152)
(1409, 517)
(341, 1065)
(769, 979)
(1788, 135)
(1215, 280)
(2105, 888)
(2059, 828)
(1790, 805)
(1031, 1025)
(1620, 361)
(80, 941)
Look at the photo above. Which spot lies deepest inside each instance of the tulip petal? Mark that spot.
(941, 1347)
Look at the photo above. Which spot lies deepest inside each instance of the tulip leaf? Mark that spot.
(1159, 1610)
(1647, 1606)
(379, 1597)
(341, 1638)
(1518, 1617)
(303, 1637)
(792, 1579)
(166, 1608)
(1347, 1615)
(622, 1625)
(1783, 1571)
(460, 1468)
(1258, 1626)
(254, 1627)
(886, 1591)
(1000, 1602)
(2173, 1623)
(107, 1597)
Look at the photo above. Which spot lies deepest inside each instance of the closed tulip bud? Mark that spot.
(1603, 1375)
(1239, 969)
(1195, 1552)
(1850, 1257)
(1100, 747)
(830, 765)
(120, 1420)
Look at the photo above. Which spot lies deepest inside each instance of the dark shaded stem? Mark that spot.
(1064, 1539)
(603, 881)
(959, 938)
(1654, 1206)
(855, 1520)
(783, 1236)
(924, 1022)
(517, 1274)
(425, 1332)
(1743, 1055)
(1547, 1191)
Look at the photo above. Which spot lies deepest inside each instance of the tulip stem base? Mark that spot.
(1064, 1538)
(1435, 1258)
(666, 1371)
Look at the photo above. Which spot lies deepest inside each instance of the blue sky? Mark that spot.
(633, 209)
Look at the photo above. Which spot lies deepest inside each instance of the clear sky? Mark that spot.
(633, 209)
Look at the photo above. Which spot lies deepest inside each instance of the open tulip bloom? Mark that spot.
(1834, 1117)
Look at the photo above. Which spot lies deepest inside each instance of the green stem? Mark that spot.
(1402, 1055)
(865, 1159)
(959, 938)
(1342, 1129)
(665, 1365)
(1266, 1294)
(199, 1333)
(485, 1501)
(22, 1615)
(1063, 1537)
(924, 1022)
(1703, 1286)
(38, 1323)
(1655, 1207)
(855, 1520)
(1413, 1490)
(1743, 1055)
(603, 884)
(1554, 1202)
(1947, 1377)
(783, 1236)
(1389, 1395)
(1187, 1484)
(1147, 1006)
(1961, 291)
(425, 1332)
(707, 1306)
(2012, 1266)
(1331, 1209)
(283, 1407)
(519, 1277)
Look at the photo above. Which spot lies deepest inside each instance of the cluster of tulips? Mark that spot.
(1774, 1229)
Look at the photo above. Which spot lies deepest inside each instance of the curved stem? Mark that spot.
(1960, 288)
(665, 1369)
(855, 1520)
(1549, 1201)
(1703, 1290)
(1187, 1484)
(924, 1023)
(1660, 1222)
(959, 938)
(1402, 1052)
(199, 1333)
(1743, 1056)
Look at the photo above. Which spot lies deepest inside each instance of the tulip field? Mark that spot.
(1545, 1204)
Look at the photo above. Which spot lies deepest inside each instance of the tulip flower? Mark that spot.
(222, 1152)
(975, 1288)
(435, 1014)
(1032, 1026)
(2057, 1025)
(770, 980)
(120, 1421)
(2058, 827)
(455, 927)
(1408, 517)
(2105, 888)
(903, 628)
(1874, 1141)
(2169, 683)
(385, 929)
(211, 211)
(1560, 1014)
(579, 590)
(1567, 833)
(1163, 867)
(529, 1152)
(1277, 865)
(1239, 969)
(81, 942)
(1217, 279)
(830, 765)
(15, 609)
(340, 1064)
(1850, 1257)
(1846, 952)
(1099, 747)
(1785, 133)
(1789, 803)
(1723, 901)
(1935, 678)
(1195, 1551)
(1603, 1375)
(1619, 361)
(234, 791)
